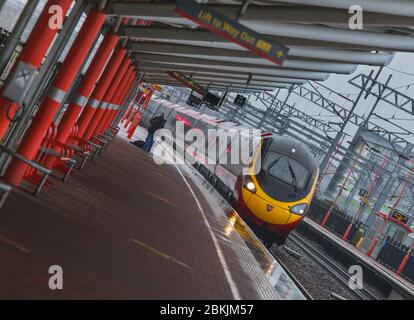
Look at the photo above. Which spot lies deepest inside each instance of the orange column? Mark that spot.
(119, 100)
(85, 88)
(56, 94)
(33, 53)
(130, 107)
(108, 111)
(98, 93)
(82, 94)
(106, 99)
(131, 115)
(123, 101)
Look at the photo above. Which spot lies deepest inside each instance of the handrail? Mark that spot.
(46, 172)
(5, 188)
(23, 159)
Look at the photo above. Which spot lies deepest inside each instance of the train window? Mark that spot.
(286, 170)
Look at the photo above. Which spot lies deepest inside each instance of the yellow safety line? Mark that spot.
(17, 246)
(161, 198)
(161, 175)
(160, 253)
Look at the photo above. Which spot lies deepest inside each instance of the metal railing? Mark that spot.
(46, 172)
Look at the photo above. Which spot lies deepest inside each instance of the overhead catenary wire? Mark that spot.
(400, 71)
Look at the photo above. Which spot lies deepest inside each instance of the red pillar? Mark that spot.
(134, 124)
(33, 53)
(127, 111)
(119, 94)
(50, 105)
(108, 111)
(131, 115)
(124, 99)
(106, 99)
(98, 93)
(144, 104)
(117, 101)
(86, 87)
(114, 112)
(130, 107)
(148, 99)
(118, 108)
(84, 90)
(403, 262)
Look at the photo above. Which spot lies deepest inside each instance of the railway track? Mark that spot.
(336, 271)
(292, 276)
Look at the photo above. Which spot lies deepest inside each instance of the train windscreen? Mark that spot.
(286, 170)
(282, 177)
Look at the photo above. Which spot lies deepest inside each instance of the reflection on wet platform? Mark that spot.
(284, 286)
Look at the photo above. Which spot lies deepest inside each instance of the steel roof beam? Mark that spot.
(306, 75)
(244, 77)
(185, 34)
(221, 79)
(328, 13)
(210, 49)
(395, 7)
(225, 83)
(358, 57)
(201, 58)
(241, 84)
(220, 88)
(288, 34)
(222, 84)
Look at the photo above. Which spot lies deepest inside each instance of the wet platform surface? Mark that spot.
(126, 228)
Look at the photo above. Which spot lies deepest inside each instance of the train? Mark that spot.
(273, 199)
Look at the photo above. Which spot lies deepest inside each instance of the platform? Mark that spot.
(126, 228)
(386, 273)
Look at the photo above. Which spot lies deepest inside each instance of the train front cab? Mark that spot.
(277, 213)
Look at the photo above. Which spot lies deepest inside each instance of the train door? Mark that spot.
(230, 167)
(204, 125)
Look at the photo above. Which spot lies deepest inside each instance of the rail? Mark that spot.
(293, 278)
(336, 271)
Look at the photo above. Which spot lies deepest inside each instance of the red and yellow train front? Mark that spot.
(278, 196)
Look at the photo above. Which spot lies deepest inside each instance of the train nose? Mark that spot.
(266, 211)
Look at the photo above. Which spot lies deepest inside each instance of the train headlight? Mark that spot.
(249, 185)
(299, 209)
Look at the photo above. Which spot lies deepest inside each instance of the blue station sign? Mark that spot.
(232, 30)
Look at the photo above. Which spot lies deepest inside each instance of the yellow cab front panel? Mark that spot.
(259, 204)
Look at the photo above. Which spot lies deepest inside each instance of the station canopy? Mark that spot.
(316, 32)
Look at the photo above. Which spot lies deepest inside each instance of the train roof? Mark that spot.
(293, 148)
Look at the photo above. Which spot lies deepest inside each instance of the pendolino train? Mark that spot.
(274, 200)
